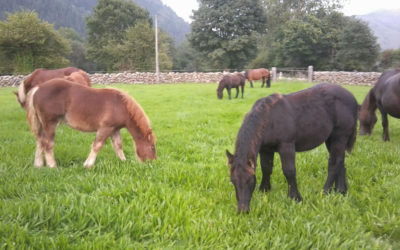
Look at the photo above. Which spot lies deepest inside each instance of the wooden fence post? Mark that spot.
(310, 73)
(274, 74)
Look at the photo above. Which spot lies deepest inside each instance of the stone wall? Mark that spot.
(351, 78)
(347, 78)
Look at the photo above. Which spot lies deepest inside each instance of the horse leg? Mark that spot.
(263, 82)
(287, 154)
(385, 125)
(251, 84)
(38, 154)
(267, 164)
(228, 89)
(336, 169)
(237, 92)
(117, 144)
(242, 87)
(101, 136)
(47, 141)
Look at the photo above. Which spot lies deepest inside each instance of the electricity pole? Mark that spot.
(156, 35)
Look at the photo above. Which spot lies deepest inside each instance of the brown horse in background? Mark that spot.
(385, 96)
(104, 111)
(40, 76)
(257, 74)
(234, 80)
(292, 123)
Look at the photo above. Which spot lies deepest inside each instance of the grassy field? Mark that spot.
(184, 199)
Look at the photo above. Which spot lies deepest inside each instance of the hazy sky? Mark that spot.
(183, 8)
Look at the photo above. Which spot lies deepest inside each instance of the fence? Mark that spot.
(350, 78)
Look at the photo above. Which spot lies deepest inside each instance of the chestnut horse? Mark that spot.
(229, 81)
(40, 76)
(257, 74)
(104, 111)
(287, 124)
(385, 96)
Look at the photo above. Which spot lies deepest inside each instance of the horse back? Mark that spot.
(311, 116)
(257, 74)
(81, 107)
(387, 92)
(40, 76)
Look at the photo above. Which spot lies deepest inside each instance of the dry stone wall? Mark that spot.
(350, 78)
(347, 78)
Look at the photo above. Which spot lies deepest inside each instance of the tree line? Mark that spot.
(226, 34)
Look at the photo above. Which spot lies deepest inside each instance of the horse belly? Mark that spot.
(79, 123)
(391, 106)
(312, 136)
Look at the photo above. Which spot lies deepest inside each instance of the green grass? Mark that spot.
(184, 199)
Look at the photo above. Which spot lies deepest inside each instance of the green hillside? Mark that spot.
(72, 14)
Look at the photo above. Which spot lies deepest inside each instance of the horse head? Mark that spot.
(243, 178)
(146, 147)
(367, 122)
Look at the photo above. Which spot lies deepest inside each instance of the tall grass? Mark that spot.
(185, 199)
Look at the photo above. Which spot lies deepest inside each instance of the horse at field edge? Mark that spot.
(385, 96)
(257, 74)
(229, 81)
(40, 76)
(104, 111)
(286, 124)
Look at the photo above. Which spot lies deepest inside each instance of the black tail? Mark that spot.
(352, 139)
(269, 80)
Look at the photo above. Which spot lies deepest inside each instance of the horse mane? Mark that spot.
(137, 114)
(250, 133)
(369, 103)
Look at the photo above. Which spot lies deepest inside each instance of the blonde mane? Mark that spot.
(137, 114)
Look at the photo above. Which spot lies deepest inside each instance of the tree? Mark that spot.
(27, 43)
(107, 28)
(137, 50)
(78, 57)
(389, 59)
(224, 31)
(358, 47)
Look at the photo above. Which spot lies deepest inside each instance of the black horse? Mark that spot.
(229, 81)
(385, 96)
(293, 123)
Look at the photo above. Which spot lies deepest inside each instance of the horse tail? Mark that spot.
(353, 136)
(86, 77)
(31, 113)
(268, 79)
(21, 94)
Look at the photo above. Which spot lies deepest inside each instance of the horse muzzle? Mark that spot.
(243, 208)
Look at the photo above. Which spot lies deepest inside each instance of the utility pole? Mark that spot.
(156, 35)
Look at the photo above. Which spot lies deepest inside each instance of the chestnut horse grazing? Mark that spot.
(229, 81)
(385, 96)
(40, 76)
(293, 123)
(104, 111)
(257, 74)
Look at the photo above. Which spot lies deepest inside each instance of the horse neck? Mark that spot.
(221, 86)
(369, 104)
(138, 125)
(249, 138)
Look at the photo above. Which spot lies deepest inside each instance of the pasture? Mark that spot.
(184, 199)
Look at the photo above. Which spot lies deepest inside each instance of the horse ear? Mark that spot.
(149, 133)
(230, 157)
(251, 167)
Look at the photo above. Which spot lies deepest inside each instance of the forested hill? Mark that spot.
(386, 27)
(72, 13)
